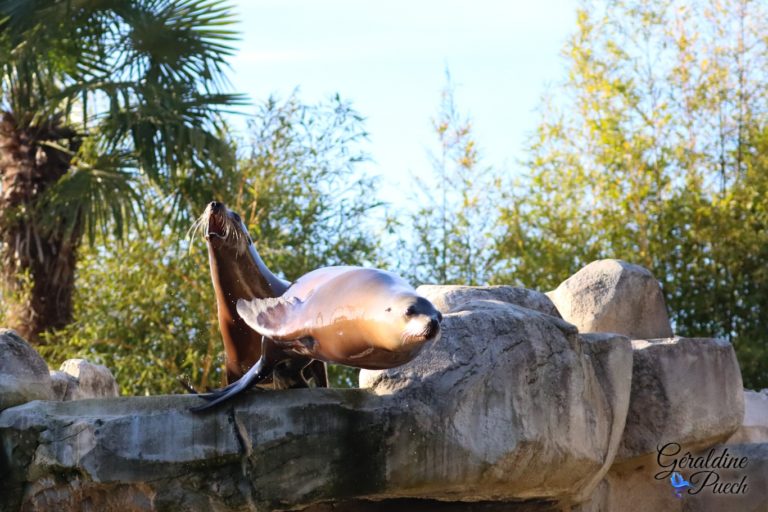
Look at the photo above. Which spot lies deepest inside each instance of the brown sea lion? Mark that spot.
(360, 317)
(239, 273)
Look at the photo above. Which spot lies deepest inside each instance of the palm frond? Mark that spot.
(145, 78)
(98, 197)
(175, 41)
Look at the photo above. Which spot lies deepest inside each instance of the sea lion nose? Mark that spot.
(433, 328)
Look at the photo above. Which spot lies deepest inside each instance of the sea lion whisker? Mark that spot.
(196, 226)
(193, 230)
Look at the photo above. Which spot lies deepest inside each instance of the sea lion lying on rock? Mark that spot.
(360, 317)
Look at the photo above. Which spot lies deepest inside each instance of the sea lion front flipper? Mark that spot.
(257, 373)
(276, 318)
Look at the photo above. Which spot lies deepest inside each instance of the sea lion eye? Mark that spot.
(411, 310)
(388, 310)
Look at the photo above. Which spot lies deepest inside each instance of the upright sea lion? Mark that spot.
(239, 273)
(366, 318)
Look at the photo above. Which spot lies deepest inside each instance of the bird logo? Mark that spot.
(679, 483)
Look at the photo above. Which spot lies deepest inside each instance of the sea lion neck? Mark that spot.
(241, 275)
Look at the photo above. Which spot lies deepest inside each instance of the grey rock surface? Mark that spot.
(638, 490)
(23, 373)
(449, 298)
(558, 397)
(512, 410)
(85, 380)
(511, 404)
(614, 296)
(63, 384)
(684, 390)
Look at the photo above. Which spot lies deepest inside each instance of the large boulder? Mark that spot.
(23, 373)
(687, 392)
(448, 298)
(684, 390)
(614, 296)
(510, 405)
(504, 378)
(78, 379)
(715, 486)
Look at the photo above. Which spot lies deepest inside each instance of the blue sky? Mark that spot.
(388, 59)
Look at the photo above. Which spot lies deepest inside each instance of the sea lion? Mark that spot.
(360, 317)
(239, 273)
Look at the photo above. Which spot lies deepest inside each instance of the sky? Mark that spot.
(389, 59)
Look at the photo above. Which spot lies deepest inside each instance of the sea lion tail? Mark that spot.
(273, 317)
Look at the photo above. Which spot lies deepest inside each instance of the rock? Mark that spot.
(48, 494)
(501, 368)
(754, 428)
(638, 490)
(755, 476)
(23, 373)
(750, 441)
(422, 505)
(614, 296)
(63, 385)
(511, 410)
(511, 404)
(81, 379)
(684, 390)
(450, 298)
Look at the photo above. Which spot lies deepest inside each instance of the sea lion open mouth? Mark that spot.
(218, 223)
(215, 224)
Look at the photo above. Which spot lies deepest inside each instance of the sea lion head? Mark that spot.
(223, 229)
(420, 320)
(409, 323)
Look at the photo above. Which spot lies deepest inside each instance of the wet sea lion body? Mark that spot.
(360, 317)
(239, 273)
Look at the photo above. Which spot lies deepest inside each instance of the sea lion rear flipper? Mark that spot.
(275, 318)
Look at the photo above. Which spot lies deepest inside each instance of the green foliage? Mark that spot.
(655, 156)
(454, 229)
(145, 307)
(299, 190)
(95, 96)
(301, 194)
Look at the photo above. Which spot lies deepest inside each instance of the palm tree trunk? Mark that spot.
(37, 263)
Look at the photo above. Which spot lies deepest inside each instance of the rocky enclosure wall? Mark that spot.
(512, 409)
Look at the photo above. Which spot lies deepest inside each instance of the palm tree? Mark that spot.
(95, 95)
